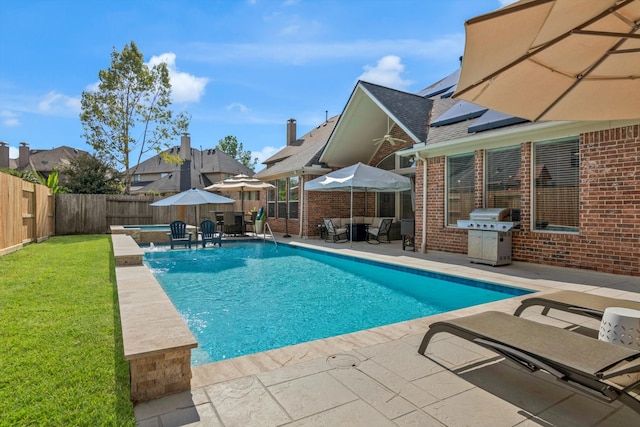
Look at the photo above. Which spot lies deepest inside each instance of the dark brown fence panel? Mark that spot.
(81, 214)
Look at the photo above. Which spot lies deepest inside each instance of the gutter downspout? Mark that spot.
(302, 213)
(423, 243)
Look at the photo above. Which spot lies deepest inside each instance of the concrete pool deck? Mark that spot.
(377, 378)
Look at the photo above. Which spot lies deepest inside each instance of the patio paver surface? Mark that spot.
(377, 378)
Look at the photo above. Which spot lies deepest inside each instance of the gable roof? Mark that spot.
(303, 153)
(45, 161)
(207, 161)
(365, 117)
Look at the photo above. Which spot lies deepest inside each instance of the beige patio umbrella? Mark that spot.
(555, 60)
(239, 183)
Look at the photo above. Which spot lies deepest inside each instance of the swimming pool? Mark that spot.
(246, 298)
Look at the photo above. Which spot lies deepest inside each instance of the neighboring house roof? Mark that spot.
(45, 161)
(369, 111)
(303, 153)
(203, 162)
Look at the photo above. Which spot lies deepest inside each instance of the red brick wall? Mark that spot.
(609, 230)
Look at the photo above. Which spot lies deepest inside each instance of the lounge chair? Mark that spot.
(178, 234)
(208, 233)
(575, 302)
(580, 361)
(381, 230)
(334, 233)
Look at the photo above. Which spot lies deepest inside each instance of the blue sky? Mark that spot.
(239, 67)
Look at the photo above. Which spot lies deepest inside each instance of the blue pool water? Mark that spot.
(246, 298)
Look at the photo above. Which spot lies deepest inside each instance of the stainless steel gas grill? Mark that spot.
(489, 235)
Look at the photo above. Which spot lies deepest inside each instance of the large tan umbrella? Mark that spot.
(555, 60)
(239, 183)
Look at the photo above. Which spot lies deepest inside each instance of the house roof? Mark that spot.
(302, 153)
(47, 160)
(207, 161)
(370, 111)
(454, 119)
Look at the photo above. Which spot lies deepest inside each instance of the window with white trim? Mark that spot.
(294, 192)
(282, 198)
(460, 187)
(502, 178)
(271, 200)
(556, 185)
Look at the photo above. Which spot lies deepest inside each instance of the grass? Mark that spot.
(61, 357)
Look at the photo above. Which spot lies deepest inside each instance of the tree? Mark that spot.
(232, 147)
(131, 97)
(86, 174)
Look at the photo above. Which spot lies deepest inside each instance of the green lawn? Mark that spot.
(61, 358)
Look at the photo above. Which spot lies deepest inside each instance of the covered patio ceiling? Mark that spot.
(364, 118)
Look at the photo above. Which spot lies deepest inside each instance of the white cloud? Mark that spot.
(9, 118)
(387, 72)
(184, 87)
(54, 103)
(264, 154)
(238, 106)
(14, 152)
(506, 2)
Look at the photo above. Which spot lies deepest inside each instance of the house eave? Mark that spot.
(511, 136)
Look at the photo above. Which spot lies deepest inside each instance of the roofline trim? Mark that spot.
(536, 132)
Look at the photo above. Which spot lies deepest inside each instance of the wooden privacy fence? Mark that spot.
(26, 213)
(95, 213)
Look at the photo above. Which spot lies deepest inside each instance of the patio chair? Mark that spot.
(209, 233)
(334, 233)
(575, 302)
(251, 222)
(178, 234)
(588, 364)
(231, 225)
(381, 230)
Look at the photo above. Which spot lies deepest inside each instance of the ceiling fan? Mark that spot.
(387, 137)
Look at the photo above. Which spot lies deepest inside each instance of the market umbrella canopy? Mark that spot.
(555, 60)
(239, 183)
(194, 196)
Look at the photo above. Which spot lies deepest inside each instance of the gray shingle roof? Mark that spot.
(46, 160)
(412, 110)
(443, 104)
(305, 151)
(203, 162)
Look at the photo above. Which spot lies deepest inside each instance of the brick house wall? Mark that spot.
(609, 216)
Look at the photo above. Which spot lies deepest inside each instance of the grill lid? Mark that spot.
(491, 214)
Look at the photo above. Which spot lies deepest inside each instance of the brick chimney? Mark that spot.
(23, 155)
(291, 131)
(4, 155)
(185, 168)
